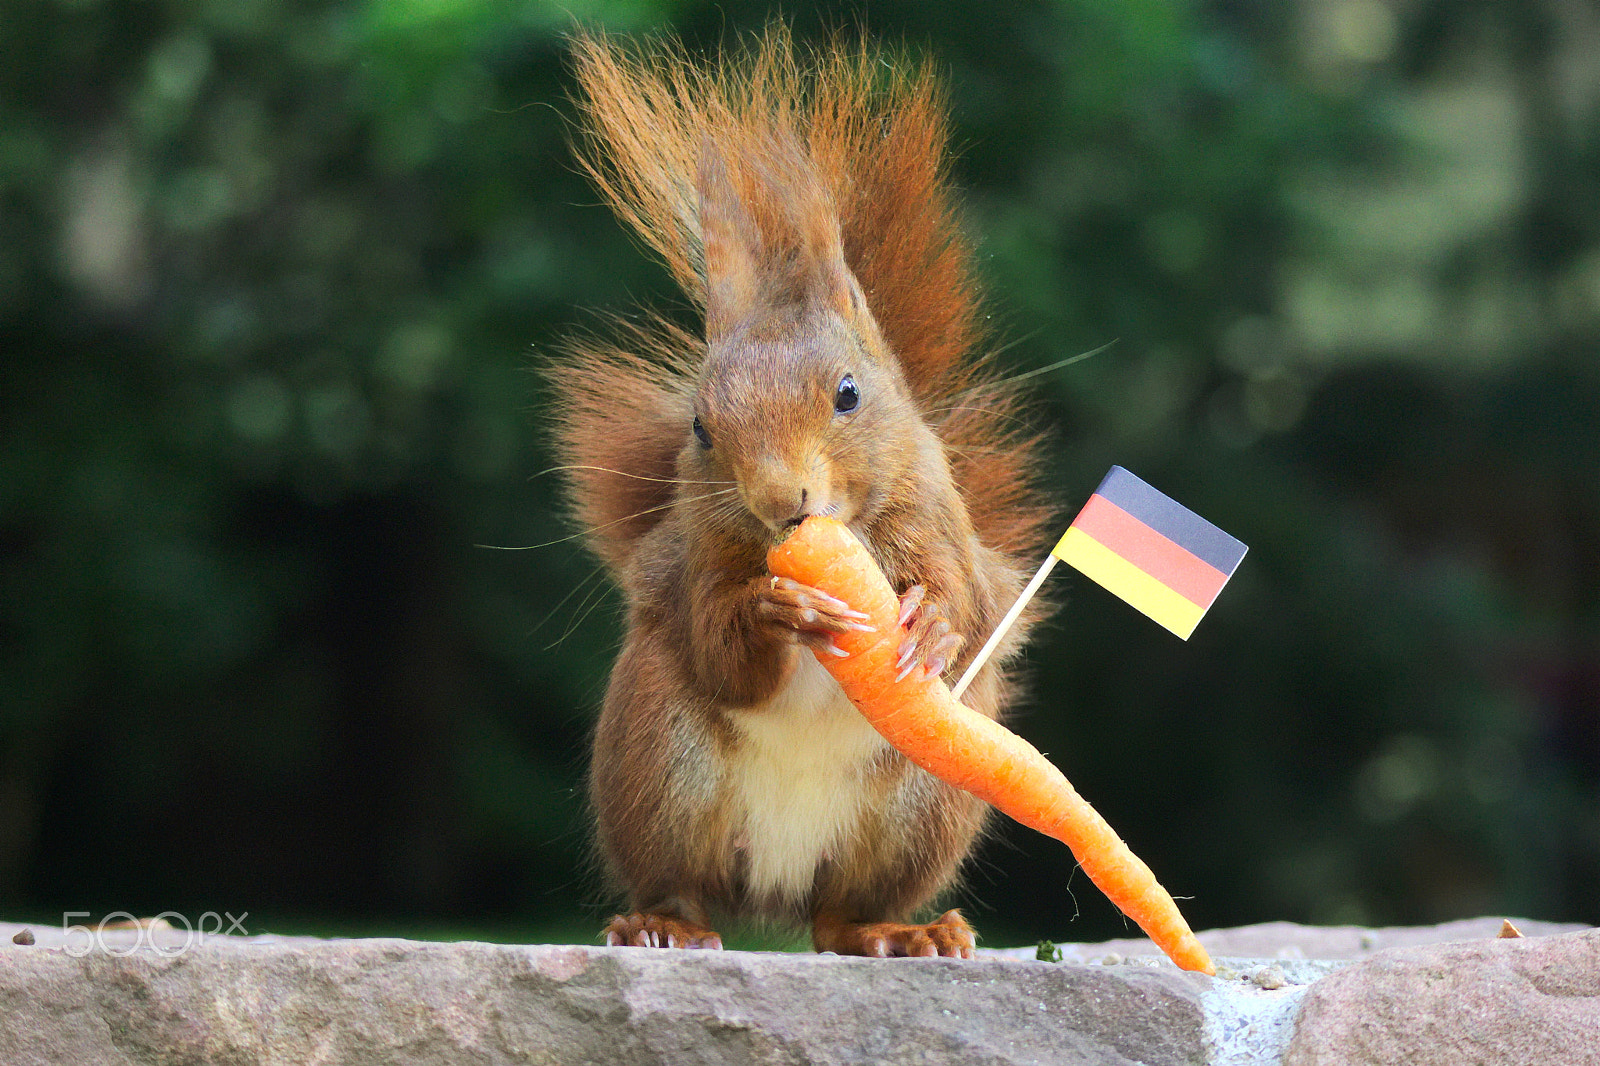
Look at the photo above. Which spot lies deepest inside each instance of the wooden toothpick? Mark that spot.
(1005, 624)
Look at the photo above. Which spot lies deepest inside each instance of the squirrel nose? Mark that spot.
(779, 505)
(781, 492)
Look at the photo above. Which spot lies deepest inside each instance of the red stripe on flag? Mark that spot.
(1174, 566)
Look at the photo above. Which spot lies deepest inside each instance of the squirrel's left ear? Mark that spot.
(840, 289)
(844, 292)
(730, 243)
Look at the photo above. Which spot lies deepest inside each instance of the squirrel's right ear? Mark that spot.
(731, 243)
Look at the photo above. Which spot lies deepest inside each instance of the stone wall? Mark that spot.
(1284, 993)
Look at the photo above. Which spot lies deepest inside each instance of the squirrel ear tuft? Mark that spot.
(731, 242)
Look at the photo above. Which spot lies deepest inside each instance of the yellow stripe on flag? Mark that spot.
(1123, 579)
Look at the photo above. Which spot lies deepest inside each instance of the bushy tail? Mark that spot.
(871, 133)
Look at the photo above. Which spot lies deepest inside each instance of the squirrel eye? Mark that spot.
(700, 433)
(848, 396)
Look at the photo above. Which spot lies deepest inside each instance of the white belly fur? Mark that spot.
(798, 781)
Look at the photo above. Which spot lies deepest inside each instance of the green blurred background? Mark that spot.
(274, 277)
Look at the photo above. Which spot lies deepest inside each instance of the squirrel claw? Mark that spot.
(929, 642)
(810, 616)
(911, 601)
(645, 930)
(821, 643)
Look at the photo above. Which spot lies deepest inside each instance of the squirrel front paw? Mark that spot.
(806, 614)
(929, 642)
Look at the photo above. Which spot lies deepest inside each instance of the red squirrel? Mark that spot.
(801, 200)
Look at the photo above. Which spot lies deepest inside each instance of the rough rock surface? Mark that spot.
(376, 1001)
(1288, 941)
(167, 996)
(1527, 1001)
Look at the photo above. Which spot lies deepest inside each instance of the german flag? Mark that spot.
(1150, 550)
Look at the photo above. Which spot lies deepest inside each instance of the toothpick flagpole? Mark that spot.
(1005, 624)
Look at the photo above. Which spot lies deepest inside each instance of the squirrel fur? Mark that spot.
(801, 200)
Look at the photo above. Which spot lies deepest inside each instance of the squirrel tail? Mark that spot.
(846, 139)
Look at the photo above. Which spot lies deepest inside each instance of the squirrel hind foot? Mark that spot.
(948, 936)
(646, 930)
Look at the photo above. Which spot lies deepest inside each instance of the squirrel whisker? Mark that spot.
(594, 529)
(624, 473)
(585, 585)
(993, 412)
(592, 599)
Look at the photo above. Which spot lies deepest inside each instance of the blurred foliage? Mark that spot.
(273, 275)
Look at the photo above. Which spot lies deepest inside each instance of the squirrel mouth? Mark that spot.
(781, 530)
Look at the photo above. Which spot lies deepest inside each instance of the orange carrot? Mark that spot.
(958, 745)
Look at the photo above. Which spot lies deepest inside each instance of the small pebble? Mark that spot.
(25, 937)
(1269, 977)
(1112, 959)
